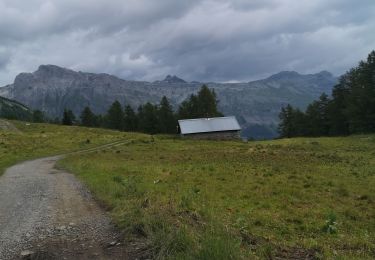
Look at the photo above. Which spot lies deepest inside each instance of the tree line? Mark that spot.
(349, 110)
(148, 118)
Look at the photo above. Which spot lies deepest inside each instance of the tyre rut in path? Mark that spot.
(50, 213)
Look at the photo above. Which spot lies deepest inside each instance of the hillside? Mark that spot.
(302, 198)
(11, 109)
(256, 104)
(305, 198)
(33, 140)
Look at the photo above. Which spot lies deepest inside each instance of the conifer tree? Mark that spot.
(148, 121)
(189, 108)
(68, 117)
(130, 119)
(338, 120)
(38, 116)
(204, 104)
(317, 117)
(88, 117)
(115, 116)
(286, 122)
(166, 119)
(207, 103)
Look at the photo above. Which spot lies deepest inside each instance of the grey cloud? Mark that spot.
(219, 40)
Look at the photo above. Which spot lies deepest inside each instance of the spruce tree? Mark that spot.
(286, 122)
(338, 120)
(199, 106)
(130, 119)
(189, 108)
(207, 103)
(361, 99)
(68, 117)
(87, 117)
(115, 116)
(166, 119)
(38, 116)
(148, 121)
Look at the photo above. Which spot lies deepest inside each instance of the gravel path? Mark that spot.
(47, 214)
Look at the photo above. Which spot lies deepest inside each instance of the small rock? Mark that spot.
(112, 243)
(26, 253)
(62, 228)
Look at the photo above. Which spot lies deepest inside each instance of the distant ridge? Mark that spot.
(171, 79)
(256, 104)
(11, 109)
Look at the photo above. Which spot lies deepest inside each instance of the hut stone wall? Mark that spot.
(224, 135)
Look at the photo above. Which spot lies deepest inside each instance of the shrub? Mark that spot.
(330, 226)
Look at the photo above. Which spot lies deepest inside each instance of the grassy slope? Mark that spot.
(37, 140)
(202, 199)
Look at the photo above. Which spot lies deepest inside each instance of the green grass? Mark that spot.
(37, 140)
(188, 199)
(218, 200)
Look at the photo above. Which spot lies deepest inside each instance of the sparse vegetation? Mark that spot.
(185, 199)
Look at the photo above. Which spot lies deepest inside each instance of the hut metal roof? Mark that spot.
(205, 125)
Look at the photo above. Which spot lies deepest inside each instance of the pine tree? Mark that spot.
(115, 116)
(338, 120)
(130, 119)
(166, 119)
(148, 121)
(286, 122)
(189, 108)
(68, 117)
(299, 123)
(198, 106)
(87, 117)
(361, 99)
(207, 103)
(38, 116)
(317, 117)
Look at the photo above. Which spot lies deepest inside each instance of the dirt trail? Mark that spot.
(50, 213)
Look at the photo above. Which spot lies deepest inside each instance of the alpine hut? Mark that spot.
(217, 128)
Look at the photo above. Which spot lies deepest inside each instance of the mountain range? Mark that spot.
(256, 104)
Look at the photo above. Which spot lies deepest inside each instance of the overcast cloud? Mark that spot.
(207, 40)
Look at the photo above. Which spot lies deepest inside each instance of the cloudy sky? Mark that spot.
(218, 40)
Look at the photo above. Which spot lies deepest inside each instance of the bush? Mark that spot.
(330, 226)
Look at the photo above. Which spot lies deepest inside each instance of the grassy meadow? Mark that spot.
(37, 140)
(292, 198)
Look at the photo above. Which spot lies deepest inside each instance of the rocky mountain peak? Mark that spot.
(173, 79)
(53, 71)
(285, 75)
(325, 73)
